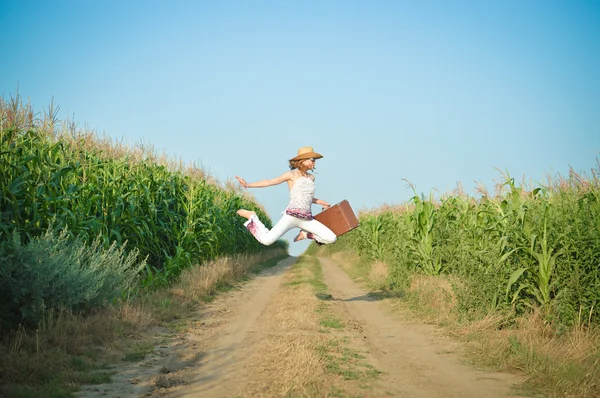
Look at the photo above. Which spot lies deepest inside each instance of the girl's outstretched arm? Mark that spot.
(265, 183)
(321, 202)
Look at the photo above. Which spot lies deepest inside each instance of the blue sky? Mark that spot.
(435, 92)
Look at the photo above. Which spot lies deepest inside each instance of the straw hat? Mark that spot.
(307, 152)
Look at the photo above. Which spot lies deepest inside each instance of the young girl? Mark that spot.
(298, 213)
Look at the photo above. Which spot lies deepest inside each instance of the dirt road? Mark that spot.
(417, 362)
(276, 337)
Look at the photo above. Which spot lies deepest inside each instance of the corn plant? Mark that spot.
(423, 221)
(536, 279)
(373, 240)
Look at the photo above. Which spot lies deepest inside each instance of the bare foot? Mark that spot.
(300, 236)
(246, 213)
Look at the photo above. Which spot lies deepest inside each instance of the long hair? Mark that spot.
(298, 164)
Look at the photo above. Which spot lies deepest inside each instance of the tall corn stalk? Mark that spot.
(423, 222)
(536, 279)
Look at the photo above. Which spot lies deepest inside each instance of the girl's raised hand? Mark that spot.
(242, 181)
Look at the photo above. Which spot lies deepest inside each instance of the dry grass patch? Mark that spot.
(287, 362)
(295, 311)
(358, 269)
(347, 260)
(345, 256)
(557, 364)
(206, 280)
(378, 274)
(373, 274)
(434, 298)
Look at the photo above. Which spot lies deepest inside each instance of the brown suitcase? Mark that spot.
(339, 218)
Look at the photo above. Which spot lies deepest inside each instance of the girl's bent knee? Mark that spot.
(268, 241)
(328, 238)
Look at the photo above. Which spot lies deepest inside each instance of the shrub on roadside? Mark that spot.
(55, 272)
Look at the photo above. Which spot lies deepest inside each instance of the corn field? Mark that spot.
(74, 181)
(517, 249)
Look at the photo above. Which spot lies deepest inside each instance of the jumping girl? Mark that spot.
(298, 213)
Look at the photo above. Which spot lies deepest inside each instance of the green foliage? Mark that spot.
(54, 272)
(517, 250)
(537, 279)
(423, 221)
(175, 217)
(105, 196)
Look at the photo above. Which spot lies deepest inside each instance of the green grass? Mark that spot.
(138, 352)
(332, 322)
(347, 363)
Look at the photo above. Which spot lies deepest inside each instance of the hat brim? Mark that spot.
(307, 155)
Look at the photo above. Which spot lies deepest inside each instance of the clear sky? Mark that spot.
(435, 92)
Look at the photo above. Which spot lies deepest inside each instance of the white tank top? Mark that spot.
(301, 196)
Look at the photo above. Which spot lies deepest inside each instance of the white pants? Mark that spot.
(315, 230)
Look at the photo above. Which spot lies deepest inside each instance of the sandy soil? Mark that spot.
(262, 341)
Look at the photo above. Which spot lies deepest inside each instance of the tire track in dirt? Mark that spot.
(415, 362)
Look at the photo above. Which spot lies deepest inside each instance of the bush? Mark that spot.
(56, 272)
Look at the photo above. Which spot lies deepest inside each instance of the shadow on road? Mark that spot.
(371, 296)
